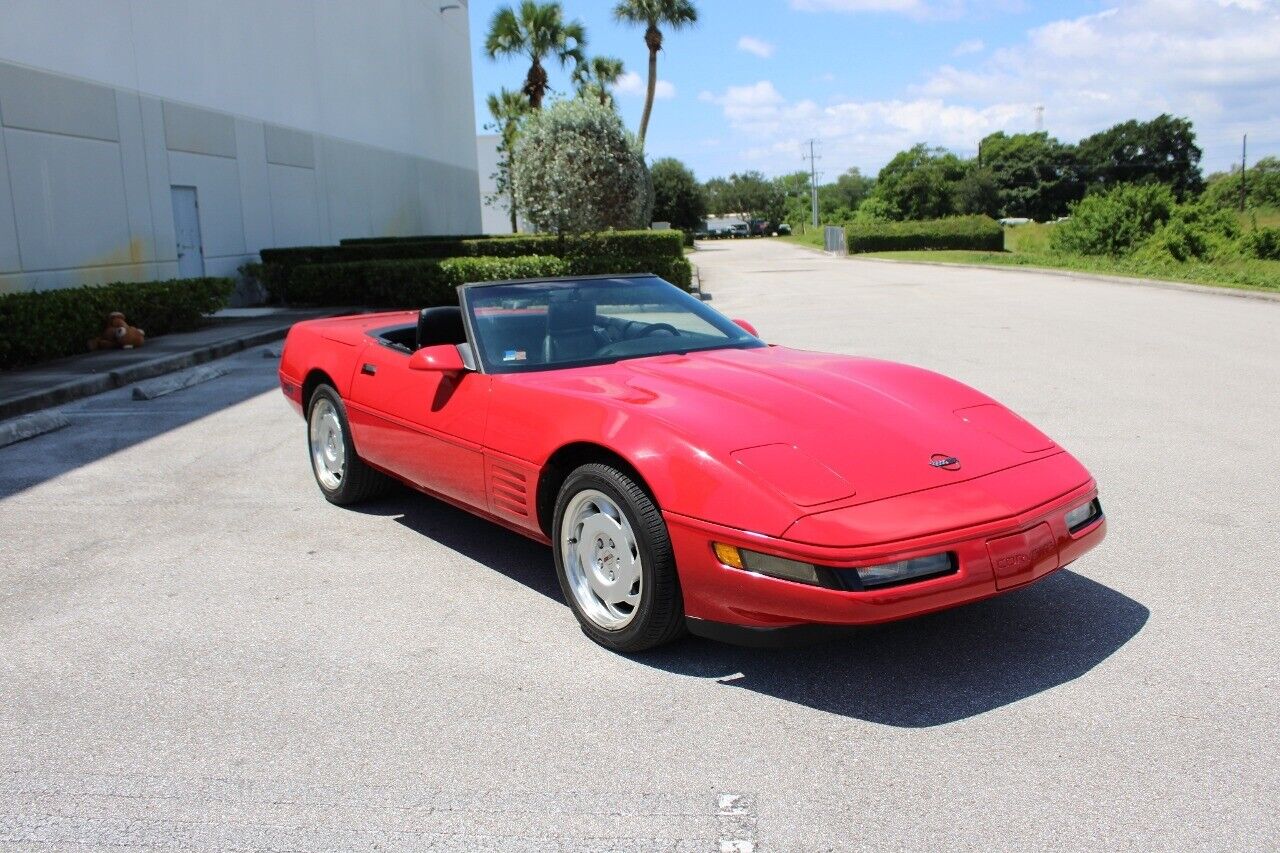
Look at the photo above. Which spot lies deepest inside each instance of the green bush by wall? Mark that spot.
(49, 324)
(416, 238)
(659, 252)
(412, 283)
(979, 233)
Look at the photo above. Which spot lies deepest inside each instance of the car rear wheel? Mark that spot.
(614, 561)
(341, 474)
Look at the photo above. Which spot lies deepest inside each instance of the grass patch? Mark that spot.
(812, 237)
(1028, 246)
(1245, 274)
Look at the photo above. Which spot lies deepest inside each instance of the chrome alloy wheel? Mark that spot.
(328, 448)
(601, 560)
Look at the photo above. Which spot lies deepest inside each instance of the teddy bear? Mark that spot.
(118, 334)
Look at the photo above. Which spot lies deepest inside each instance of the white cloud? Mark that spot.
(965, 48)
(750, 44)
(632, 83)
(1135, 61)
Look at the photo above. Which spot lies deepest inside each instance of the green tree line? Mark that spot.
(1020, 175)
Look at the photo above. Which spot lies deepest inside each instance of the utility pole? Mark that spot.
(1244, 150)
(813, 181)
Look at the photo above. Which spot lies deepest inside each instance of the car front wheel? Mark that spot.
(614, 561)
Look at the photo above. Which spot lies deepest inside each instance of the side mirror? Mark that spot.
(748, 327)
(442, 358)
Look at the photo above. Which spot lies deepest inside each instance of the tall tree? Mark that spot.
(838, 201)
(537, 31)
(597, 77)
(508, 110)
(677, 195)
(653, 15)
(1034, 175)
(1162, 150)
(1262, 186)
(749, 194)
(919, 183)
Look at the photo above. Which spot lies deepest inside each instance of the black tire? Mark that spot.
(359, 482)
(659, 618)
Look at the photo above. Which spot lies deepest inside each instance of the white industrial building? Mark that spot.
(495, 214)
(146, 139)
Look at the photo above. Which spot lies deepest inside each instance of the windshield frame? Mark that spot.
(742, 340)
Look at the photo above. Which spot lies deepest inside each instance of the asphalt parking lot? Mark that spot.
(197, 651)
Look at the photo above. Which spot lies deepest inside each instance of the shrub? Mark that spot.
(1115, 222)
(1261, 243)
(413, 283)
(609, 252)
(1193, 232)
(53, 323)
(414, 238)
(962, 232)
(576, 169)
(1262, 186)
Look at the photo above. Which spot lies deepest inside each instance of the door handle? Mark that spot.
(369, 369)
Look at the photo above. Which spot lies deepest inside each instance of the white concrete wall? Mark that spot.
(494, 215)
(297, 122)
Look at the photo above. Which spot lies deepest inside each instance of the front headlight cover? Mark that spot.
(1083, 515)
(849, 580)
(905, 570)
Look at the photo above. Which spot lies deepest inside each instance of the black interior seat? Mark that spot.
(571, 332)
(441, 325)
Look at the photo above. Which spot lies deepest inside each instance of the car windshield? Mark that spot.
(546, 325)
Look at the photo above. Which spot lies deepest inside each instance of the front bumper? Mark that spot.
(992, 557)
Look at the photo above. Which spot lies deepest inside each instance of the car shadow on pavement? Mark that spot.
(518, 557)
(936, 669)
(915, 673)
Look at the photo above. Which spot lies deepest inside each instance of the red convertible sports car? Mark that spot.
(687, 475)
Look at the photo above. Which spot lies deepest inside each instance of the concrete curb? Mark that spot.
(1261, 295)
(176, 382)
(97, 383)
(20, 429)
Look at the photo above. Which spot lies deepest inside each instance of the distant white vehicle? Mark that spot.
(1015, 220)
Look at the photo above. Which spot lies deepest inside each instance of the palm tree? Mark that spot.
(653, 14)
(538, 31)
(508, 109)
(596, 76)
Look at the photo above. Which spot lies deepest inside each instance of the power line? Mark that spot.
(813, 180)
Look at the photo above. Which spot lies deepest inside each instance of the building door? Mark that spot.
(186, 226)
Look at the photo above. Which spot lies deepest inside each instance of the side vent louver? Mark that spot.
(510, 491)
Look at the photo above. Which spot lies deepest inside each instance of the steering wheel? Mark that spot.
(659, 327)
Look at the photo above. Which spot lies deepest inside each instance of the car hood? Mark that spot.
(817, 428)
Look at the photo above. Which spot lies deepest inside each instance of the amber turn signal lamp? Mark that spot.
(729, 555)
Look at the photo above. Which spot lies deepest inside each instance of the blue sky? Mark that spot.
(755, 78)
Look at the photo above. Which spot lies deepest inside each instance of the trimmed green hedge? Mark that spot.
(415, 283)
(418, 238)
(659, 252)
(48, 324)
(980, 233)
